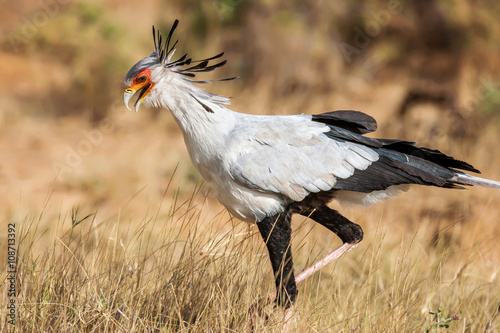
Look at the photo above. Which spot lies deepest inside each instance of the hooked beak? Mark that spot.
(130, 92)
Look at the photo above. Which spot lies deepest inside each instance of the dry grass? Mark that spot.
(168, 258)
(180, 272)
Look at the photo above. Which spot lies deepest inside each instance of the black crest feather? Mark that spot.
(164, 52)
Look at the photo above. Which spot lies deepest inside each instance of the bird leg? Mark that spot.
(277, 235)
(347, 231)
(350, 233)
(334, 255)
(277, 232)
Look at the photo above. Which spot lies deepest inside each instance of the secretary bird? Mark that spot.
(263, 169)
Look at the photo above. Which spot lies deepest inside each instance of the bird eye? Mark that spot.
(141, 79)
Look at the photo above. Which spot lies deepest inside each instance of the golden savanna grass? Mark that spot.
(169, 259)
(116, 232)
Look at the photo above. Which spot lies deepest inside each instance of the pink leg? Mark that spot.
(287, 319)
(334, 255)
(256, 308)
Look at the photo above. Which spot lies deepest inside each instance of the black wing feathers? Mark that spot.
(378, 176)
(354, 121)
(400, 162)
(428, 154)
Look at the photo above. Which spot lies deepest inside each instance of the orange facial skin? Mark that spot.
(141, 81)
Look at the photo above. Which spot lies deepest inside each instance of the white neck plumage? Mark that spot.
(204, 121)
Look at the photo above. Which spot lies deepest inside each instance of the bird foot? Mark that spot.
(256, 311)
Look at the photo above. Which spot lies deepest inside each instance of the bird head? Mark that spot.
(140, 79)
(157, 71)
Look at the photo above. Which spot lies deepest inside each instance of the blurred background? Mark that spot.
(426, 70)
(104, 198)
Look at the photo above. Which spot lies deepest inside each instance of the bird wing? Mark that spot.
(292, 156)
